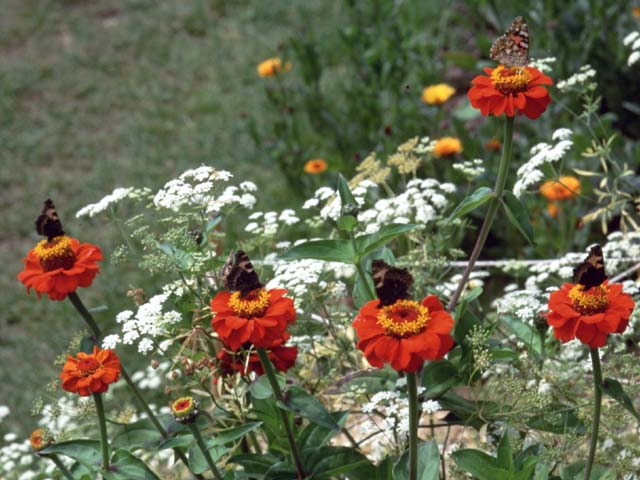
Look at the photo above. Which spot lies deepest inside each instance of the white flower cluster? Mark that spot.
(17, 462)
(542, 64)
(4, 411)
(633, 41)
(470, 168)
(526, 305)
(422, 202)
(577, 80)
(198, 188)
(268, 223)
(151, 378)
(144, 326)
(425, 146)
(114, 197)
(475, 280)
(333, 206)
(530, 173)
(620, 245)
(61, 416)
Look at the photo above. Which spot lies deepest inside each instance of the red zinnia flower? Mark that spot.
(404, 334)
(260, 317)
(283, 358)
(590, 315)
(58, 267)
(509, 90)
(90, 373)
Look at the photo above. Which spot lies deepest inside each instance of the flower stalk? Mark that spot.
(412, 391)
(597, 403)
(275, 386)
(494, 205)
(205, 451)
(104, 442)
(61, 466)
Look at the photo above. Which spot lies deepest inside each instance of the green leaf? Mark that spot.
(197, 462)
(337, 250)
(542, 471)
(261, 388)
(384, 471)
(301, 403)
(438, 377)
(125, 466)
(347, 223)
(525, 333)
(428, 463)
(315, 435)
(182, 441)
(479, 464)
(372, 381)
(557, 420)
(612, 388)
(473, 201)
(328, 462)
(463, 325)
(281, 471)
(575, 471)
(346, 197)
(360, 291)
(143, 434)
(86, 452)
(231, 434)
(254, 464)
(505, 454)
(366, 244)
(518, 215)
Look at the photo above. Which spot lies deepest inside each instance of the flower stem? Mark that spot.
(412, 391)
(205, 451)
(104, 443)
(93, 326)
(371, 293)
(597, 402)
(65, 471)
(275, 386)
(494, 205)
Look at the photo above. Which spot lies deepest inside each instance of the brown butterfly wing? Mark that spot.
(48, 223)
(238, 273)
(392, 283)
(591, 272)
(512, 48)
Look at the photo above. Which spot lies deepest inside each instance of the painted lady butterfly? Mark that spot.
(238, 273)
(512, 48)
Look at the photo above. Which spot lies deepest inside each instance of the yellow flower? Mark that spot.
(447, 146)
(272, 66)
(315, 166)
(561, 189)
(437, 94)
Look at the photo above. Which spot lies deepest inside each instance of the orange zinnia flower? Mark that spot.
(561, 189)
(90, 373)
(260, 317)
(40, 438)
(315, 166)
(58, 267)
(590, 315)
(283, 358)
(510, 90)
(447, 146)
(405, 333)
(271, 67)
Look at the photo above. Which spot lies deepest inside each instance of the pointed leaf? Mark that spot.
(438, 377)
(612, 388)
(197, 463)
(518, 215)
(301, 403)
(479, 464)
(231, 434)
(525, 333)
(125, 466)
(86, 452)
(346, 197)
(315, 435)
(473, 201)
(428, 463)
(337, 250)
(366, 244)
(505, 454)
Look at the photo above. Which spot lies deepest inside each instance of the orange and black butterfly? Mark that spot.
(238, 273)
(392, 283)
(48, 223)
(590, 273)
(512, 48)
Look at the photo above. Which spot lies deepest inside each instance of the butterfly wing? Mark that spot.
(591, 272)
(392, 283)
(512, 48)
(238, 273)
(48, 223)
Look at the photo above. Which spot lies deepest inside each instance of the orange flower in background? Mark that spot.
(493, 145)
(562, 189)
(589, 315)
(510, 91)
(635, 11)
(283, 358)
(272, 66)
(553, 209)
(437, 94)
(260, 317)
(447, 146)
(315, 166)
(405, 333)
(58, 267)
(90, 373)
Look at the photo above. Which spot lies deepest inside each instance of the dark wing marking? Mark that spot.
(238, 273)
(591, 272)
(48, 223)
(392, 283)
(512, 48)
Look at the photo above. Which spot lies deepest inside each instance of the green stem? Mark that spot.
(412, 391)
(494, 205)
(205, 451)
(93, 326)
(363, 275)
(275, 386)
(104, 443)
(65, 471)
(597, 402)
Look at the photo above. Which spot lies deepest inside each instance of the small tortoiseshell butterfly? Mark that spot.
(392, 283)
(590, 273)
(48, 223)
(512, 48)
(238, 273)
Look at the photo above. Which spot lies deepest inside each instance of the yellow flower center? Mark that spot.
(253, 304)
(56, 253)
(87, 366)
(404, 318)
(510, 80)
(591, 301)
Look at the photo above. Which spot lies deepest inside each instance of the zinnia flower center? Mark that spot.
(253, 304)
(182, 404)
(510, 80)
(87, 366)
(591, 301)
(404, 318)
(56, 253)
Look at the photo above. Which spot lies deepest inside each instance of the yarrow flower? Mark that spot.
(315, 166)
(185, 409)
(405, 333)
(447, 146)
(510, 90)
(90, 372)
(589, 314)
(59, 266)
(260, 317)
(282, 358)
(272, 66)
(437, 94)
